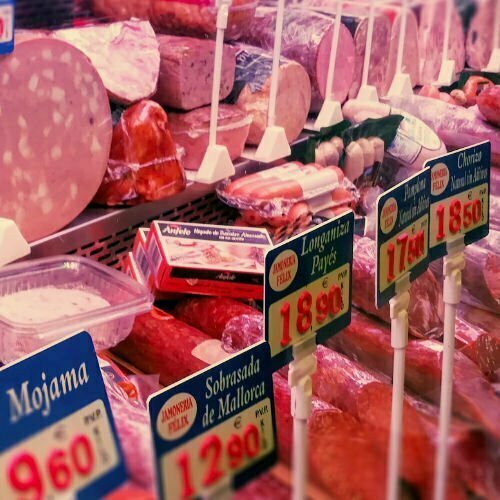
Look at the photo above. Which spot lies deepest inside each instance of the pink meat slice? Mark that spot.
(125, 54)
(410, 64)
(369, 341)
(55, 135)
(479, 42)
(307, 40)
(431, 38)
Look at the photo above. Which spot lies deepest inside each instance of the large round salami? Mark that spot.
(55, 135)
(431, 39)
(307, 38)
(480, 35)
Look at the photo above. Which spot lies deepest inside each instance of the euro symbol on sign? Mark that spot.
(237, 423)
(325, 283)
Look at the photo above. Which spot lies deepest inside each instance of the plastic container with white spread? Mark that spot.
(44, 300)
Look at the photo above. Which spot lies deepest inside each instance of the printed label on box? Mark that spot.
(308, 287)
(215, 430)
(460, 191)
(58, 435)
(6, 26)
(402, 234)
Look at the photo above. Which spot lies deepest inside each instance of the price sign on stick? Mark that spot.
(6, 26)
(460, 188)
(402, 234)
(58, 436)
(215, 431)
(308, 287)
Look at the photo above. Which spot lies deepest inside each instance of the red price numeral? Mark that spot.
(470, 212)
(25, 475)
(238, 448)
(326, 304)
(410, 249)
(2, 27)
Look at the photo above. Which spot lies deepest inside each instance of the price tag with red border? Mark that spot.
(58, 436)
(402, 234)
(6, 26)
(215, 430)
(460, 197)
(308, 287)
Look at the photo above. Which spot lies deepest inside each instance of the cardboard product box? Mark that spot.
(207, 259)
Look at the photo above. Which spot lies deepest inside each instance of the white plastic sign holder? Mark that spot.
(494, 62)
(13, 246)
(216, 164)
(274, 144)
(368, 92)
(401, 84)
(447, 73)
(304, 304)
(459, 217)
(402, 256)
(331, 111)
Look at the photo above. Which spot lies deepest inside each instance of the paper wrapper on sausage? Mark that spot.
(197, 18)
(187, 70)
(307, 40)
(211, 314)
(125, 54)
(252, 85)
(458, 127)
(369, 342)
(191, 131)
(431, 40)
(426, 306)
(143, 164)
(55, 134)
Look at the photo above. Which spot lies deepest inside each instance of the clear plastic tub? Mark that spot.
(112, 302)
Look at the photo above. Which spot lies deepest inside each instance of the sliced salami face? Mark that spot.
(55, 135)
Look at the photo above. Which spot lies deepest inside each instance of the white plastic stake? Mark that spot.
(368, 92)
(399, 340)
(216, 164)
(401, 84)
(494, 62)
(274, 144)
(447, 73)
(453, 264)
(331, 111)
(13, 246)
(300, 371)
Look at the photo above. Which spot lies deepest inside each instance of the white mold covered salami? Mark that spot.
(307, 39)
(55, 135)
(126, 55)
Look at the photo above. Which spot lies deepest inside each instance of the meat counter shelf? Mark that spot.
(106, 234)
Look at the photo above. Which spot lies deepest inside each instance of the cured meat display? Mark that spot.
(179, 17)
(457, 126)
(431, 38)
(211, 314)
(425, 312)
(186, 72)
(479, 42)
(191, 132)
(369, 341)
(355, 18)
(159, 343)
(252, 85)
(125, 55)
(143, 163)
(307, 40)
(338, 444)
(53, 156)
